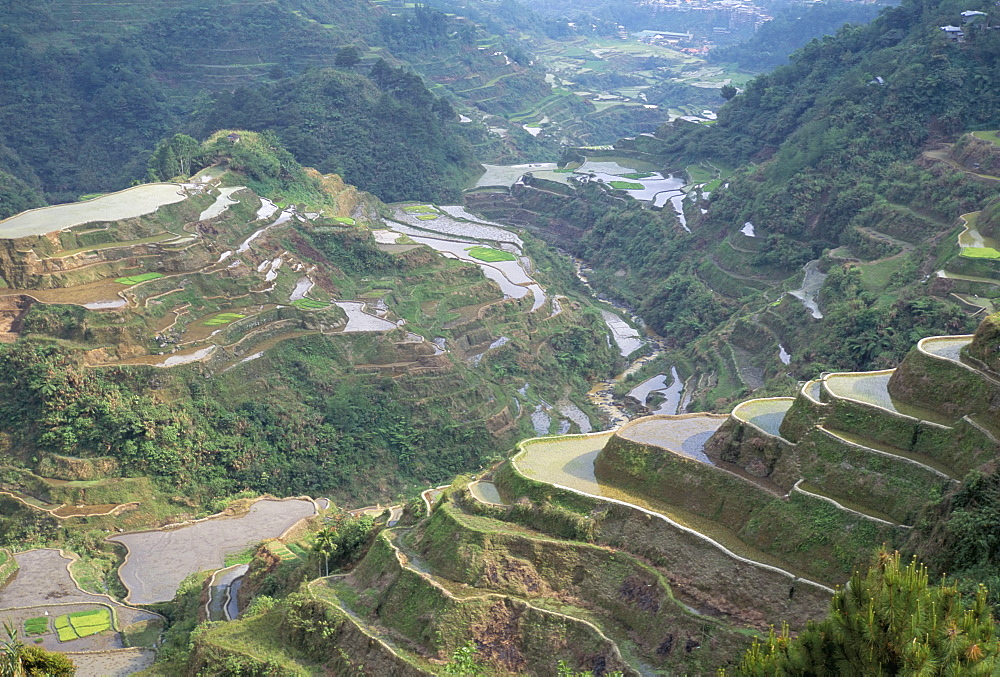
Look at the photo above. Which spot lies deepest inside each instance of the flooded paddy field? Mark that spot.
(44, 590)
(159, 560)
(948, 347)
(658, 384)
(873, 388)
(766, 414)
(125, 204)
(569, 462)
(685, 435)
(117, 663)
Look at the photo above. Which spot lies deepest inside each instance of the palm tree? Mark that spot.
(326, 544)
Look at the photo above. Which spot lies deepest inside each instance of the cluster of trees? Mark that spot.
(318, 437)
(790, 29)
(888, 621)
(385, 133)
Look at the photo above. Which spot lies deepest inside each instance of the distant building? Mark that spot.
(953, 32)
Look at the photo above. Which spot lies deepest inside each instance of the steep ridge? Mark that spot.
(145, 291)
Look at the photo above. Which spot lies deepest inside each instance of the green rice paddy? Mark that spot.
(490, 255)
(136, 279)
(637, 175)
(427, 217)
(82, 624)
(420, 209)
(626, 185)
(980, 253)
(222, 319)
(36, 626)
(346, 220)
(991, 136)
(310, 304)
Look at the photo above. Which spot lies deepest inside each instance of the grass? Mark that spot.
(562, 171)
(242, 557)
(626, 185)
(310, 304)
(991, 136)
(420, 209)
(490, 255)
(637, 175)
(223, 318)
(136, 279)
(427, 217)
(980, 253)
(36, 626)
(345, 219)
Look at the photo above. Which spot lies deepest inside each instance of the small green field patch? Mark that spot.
(297, 550)
(64, 630)
(242, 557)
(637, 175)
(82, 624)
(490, 255)
(992, 136)
(420, 209)
(427, 217)
(310, 304)
(980, 253)
(136, 279)
(36, 626)
(223, 318)
(626, 185)
(562, 171)
(345, 219)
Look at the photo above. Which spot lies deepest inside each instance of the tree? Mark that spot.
(887, 622)
(18, 660)
(347, 57)
(326, 545)
(728, 92)
(464, 663)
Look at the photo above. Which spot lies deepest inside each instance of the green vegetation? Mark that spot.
(244, 557)
(980, 253)
(637, 175)
(82, 624)
(347, 220)
(136, 279)
(490, 255)
(427, 217)
(223, 319)
(887, 621)
(420, 209)
(38, 625)
(87, 623)
(626, 185)
(310, 304)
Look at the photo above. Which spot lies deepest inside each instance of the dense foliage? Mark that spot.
(386, 133)
(319, 437)
(889, 621)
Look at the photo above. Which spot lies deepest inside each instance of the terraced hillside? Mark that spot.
(443, 318)
(663, 546)
(744, 519)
